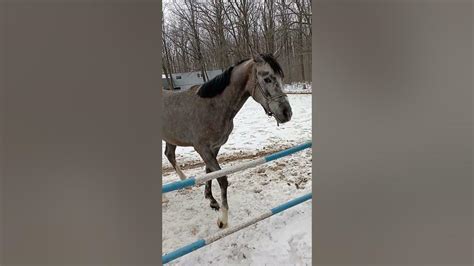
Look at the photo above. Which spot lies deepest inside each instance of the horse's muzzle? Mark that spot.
(284, 113)
(287, 114)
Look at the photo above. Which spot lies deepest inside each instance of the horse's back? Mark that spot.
(179, 111)
(189, 120)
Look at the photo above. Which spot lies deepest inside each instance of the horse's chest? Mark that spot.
(227, 130)
(220, 135)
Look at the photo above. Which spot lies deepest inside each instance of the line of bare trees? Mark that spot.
(201, 35)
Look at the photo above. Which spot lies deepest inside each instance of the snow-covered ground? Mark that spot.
(298, 87)
(283, 239)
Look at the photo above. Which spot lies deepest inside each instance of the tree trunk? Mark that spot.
(169, 78)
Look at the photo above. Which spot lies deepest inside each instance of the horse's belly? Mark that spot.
(175, 139)
(177, 142)
(174, 131)
(221, 136)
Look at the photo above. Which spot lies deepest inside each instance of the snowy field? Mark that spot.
(283, 239)
(298, 88)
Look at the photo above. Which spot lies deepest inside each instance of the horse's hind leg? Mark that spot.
(170, 154)
(210, 160)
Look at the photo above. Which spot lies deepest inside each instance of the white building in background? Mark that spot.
(183, 81)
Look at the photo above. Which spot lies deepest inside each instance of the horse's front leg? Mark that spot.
(222, 221)
(212, 165)
(208, 193)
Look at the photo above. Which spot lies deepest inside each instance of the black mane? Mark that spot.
(273, 64)
(217, 85)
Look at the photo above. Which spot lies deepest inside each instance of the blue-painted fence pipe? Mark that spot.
(206, 241)
(192, 181)
(183, 251)
(189, 182)
(287, 152)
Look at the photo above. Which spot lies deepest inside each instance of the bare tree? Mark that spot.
(166, 67)
(209, 34)
(187, 14)
(269, 25)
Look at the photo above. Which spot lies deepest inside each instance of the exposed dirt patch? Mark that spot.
(228, 158)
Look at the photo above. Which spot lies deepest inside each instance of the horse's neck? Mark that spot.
(237, 104)
(236, 94)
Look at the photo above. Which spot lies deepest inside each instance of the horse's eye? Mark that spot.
(267, 80)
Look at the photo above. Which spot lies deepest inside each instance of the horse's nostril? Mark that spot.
(287, 112)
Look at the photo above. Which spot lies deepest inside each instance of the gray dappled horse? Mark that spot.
(202, 117)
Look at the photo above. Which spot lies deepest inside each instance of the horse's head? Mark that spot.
(267, 87)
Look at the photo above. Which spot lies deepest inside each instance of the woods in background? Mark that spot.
(214, 34)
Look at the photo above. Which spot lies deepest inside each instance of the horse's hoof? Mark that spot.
(220, 224)
(214, 205)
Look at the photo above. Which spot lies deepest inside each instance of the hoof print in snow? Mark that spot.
(257, 190)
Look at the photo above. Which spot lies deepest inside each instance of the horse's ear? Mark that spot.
(257, 57)
(277, 53)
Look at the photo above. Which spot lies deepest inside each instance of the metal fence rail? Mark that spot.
(193, 181)
(206, 241)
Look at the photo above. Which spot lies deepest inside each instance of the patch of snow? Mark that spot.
(298, 87)
(254, 130)
(283, 239)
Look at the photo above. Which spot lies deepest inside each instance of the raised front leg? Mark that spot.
(209, 158)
